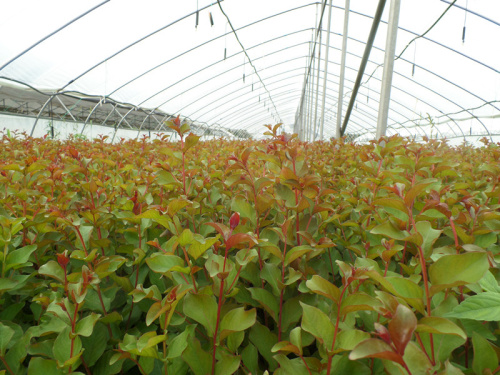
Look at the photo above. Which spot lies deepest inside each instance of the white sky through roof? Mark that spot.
(181, 68)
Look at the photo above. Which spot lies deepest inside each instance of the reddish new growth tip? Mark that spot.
(63, 259)
(234, 220)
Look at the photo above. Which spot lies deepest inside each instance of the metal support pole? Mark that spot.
(340, 100)
(326, 71)
(364, 61)
(311, 81)
(317, 88)
(390, 50)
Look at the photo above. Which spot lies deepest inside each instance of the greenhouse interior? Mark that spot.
(250, 187)
(423, 69)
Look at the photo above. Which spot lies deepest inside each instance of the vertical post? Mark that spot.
(317, 85)
(390, 50)
(322, 124)
(340, 100)
(311, 101)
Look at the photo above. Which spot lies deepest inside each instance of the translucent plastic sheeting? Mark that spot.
(184, 58)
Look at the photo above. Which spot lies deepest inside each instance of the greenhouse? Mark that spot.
(268, 187)
(233, 66)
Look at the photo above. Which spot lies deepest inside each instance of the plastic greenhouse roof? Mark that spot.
(236, 65)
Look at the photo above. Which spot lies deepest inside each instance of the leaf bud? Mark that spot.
(234, 220)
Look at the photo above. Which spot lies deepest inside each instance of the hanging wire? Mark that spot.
(413, 40)
(197, 15)
(414, 57)
(248, 57)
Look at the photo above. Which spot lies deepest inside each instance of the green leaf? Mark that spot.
(237, 320)
(62, 346)
(250, 357)
(318, 324)
(245, 209)
(290, 366)
(264, 340)
(296, 252)
(348, 339)
(428, 234)
(180, 342)
(166, 178)
(484, 355)
(227, 364)
(95, 345)
(112, 317)
(483, 306)
(389, 230)
(6, 334)
(19, 256)
(267, 300)
(149, 340)
(163, 263)
(199, 246)
(198, 360)
(185, 238)
(416, 190)
(416, 360)
(203, 309)
(489, 283)
(85, 326)
(458, 269)
(393, 202)
(359, 301)
(272, 275)
(321, 286)
(271, 248)
(39, 365)
(52, 269)
(190, 141)
(434, 324)
(449, 369)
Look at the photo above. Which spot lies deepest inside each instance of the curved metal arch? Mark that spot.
(259, 120)
(132, 44)
(251, 115)
(435, 74)
(40, 113)
(92, 112)
(427, 39)
(53, 33)
(335, 83)
(329, 81)
(210, 41)
(424, 86)
(226, 71)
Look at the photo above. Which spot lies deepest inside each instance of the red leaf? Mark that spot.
(224, 231)
(177, 120)
(234, 220)
(239, 238)
(401, 327)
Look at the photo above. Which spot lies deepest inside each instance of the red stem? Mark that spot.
(7, 365)
(219, 306)
(330, 357)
